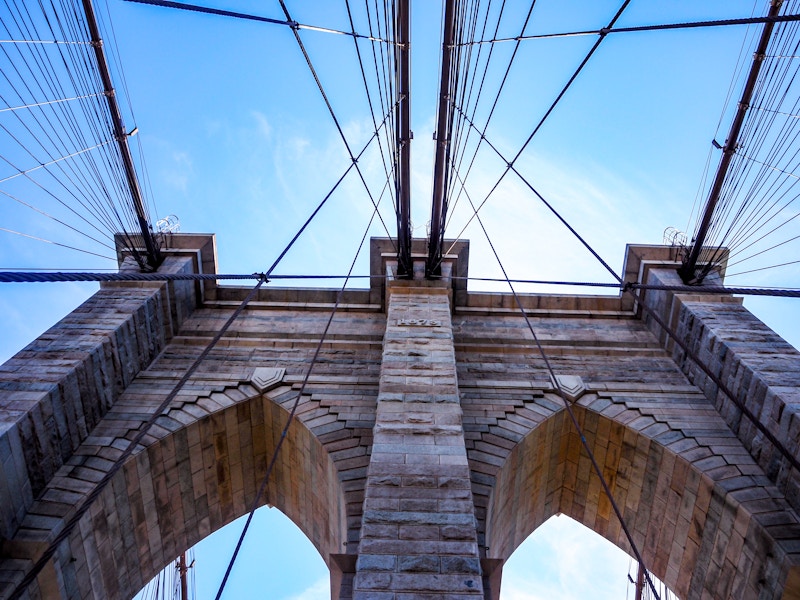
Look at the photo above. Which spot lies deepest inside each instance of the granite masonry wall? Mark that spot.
(429, 442)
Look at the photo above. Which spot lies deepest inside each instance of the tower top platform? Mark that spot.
(638, 261)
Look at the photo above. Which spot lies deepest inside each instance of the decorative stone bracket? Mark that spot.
(571, 385)
(265, 379)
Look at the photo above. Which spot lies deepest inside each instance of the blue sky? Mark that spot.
(238, 142)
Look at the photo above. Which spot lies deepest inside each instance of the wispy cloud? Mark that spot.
(319, 590)
(263, 126)
(562, 559)
(173, 166)
(179, 171)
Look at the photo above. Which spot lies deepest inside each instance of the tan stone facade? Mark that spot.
(429, 441)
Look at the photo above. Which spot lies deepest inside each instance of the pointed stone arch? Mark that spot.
(704, 517)
(418, 377)
(198, 471)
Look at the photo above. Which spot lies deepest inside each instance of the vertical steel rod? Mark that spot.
(403, 137)
(687, 270)
(442, 141)
(183, 569)
(121, 136)
(639, 582)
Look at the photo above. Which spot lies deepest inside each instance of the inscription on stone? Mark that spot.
(419, 322)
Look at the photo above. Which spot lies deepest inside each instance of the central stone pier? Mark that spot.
(418, 534)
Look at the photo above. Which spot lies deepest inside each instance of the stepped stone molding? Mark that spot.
(760, 369)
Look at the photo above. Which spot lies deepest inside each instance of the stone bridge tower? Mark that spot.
(429, 441)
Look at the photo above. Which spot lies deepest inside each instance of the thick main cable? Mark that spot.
(22, 276)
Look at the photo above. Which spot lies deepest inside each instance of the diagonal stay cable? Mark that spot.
(329, 194)
(27, 172)
(633, 291)
(238, 15)
(274, 458)
(793, 262)
(100, 486)
(49, 102)
(510, 164)
(570, 412)
(333, 115)
(511, 167)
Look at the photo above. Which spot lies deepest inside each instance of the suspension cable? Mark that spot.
(642, 28)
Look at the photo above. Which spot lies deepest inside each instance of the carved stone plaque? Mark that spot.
(419, 322)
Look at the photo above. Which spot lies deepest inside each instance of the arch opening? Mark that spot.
(195, 481)
(564, 559)
(276, 556)
(696, 532)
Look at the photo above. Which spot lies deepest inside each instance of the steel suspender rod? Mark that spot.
(443, 124)
(403, 139)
